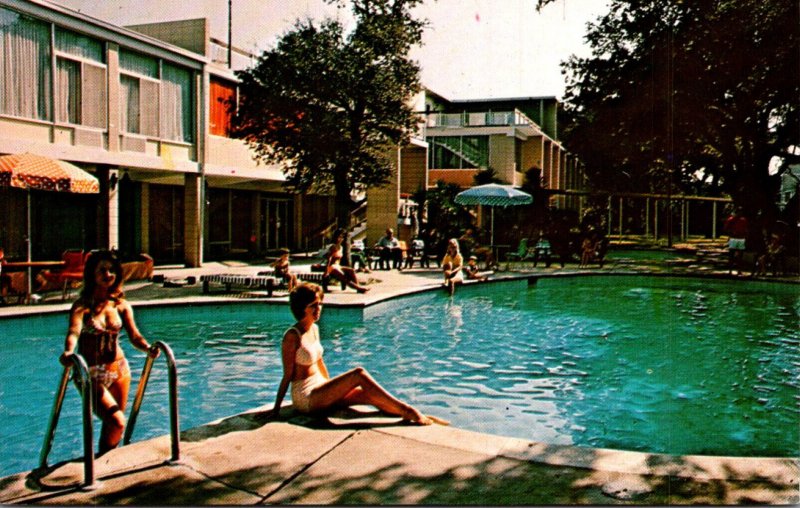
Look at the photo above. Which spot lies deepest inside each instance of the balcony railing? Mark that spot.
(481, 119)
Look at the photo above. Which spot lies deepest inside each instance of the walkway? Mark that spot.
(360, 457)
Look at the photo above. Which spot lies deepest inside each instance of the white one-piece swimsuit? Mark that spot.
(309, 353)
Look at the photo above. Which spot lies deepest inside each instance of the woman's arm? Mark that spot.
(73, 332)
(288, 352)
(323, 368)
(134, 335)
(329, 257)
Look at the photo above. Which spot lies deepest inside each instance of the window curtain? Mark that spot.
(176, 103)
(68, 91)
(221, 96)
(79, 45)
(24, 66)
(139, 64)
(150, 107)
(129, 104)
(94, 105)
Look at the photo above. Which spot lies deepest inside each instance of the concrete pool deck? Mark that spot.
(356, 458)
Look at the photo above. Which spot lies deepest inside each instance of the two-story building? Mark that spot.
(144, 109)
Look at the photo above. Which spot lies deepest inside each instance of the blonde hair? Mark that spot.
(453, 242)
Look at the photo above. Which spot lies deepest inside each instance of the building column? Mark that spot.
(193, 220)
(113, 209)
(107, 208)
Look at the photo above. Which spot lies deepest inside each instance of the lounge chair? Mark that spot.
(521, 253)
(245, 281)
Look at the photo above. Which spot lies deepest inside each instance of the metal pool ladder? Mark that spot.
(85, 386)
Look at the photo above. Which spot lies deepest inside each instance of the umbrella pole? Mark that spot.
(492, 226)
(28, 241)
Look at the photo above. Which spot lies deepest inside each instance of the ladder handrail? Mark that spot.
(86, 396)
(173, 398)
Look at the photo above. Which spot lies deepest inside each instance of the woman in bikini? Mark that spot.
(95, 321)
(312, 387)
(335, 269)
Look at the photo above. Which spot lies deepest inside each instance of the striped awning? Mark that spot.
(30, 171)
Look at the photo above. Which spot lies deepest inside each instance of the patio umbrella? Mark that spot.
(29, 171)
(492, 195)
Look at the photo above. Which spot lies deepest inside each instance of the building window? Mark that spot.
(176, 103)
(80, 96)
(222, 95)
(25, 60)
(459, 152)
(138, 80)
(157, 98)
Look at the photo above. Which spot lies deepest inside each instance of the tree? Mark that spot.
(688, 96)
(331, 105)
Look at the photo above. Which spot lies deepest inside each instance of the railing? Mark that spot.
(86, 394)
(318, 237)
(85, 386)
(174, 430)
(480, 119)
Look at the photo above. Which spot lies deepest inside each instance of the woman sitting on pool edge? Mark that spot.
(452, 263)
(313, 389)
(95, 320)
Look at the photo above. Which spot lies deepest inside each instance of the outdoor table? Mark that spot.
(19, 265)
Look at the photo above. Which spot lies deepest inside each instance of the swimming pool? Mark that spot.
(673, 365)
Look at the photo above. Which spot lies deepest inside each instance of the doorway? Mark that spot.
(275, 223)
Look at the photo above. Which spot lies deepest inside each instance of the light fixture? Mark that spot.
(112, 181)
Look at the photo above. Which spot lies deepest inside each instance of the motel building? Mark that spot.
(142, 108)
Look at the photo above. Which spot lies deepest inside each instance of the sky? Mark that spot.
(471, 49)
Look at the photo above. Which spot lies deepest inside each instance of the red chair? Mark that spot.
(74, 261)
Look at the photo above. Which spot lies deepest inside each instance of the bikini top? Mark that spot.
(335, 254)
(310, 350)
(97, 342)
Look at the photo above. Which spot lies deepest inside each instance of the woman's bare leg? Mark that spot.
(349, 277)
(357, 386)
(111, 408)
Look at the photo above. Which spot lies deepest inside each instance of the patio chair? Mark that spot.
(521, 252)
(71, 272)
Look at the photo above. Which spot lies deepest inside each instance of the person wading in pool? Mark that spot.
(95, 320)
(312, 388)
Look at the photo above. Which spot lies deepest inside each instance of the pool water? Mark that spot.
(668, 365)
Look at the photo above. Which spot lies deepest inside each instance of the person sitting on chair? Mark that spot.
(358, 256)
(389, 250)
(5, 279)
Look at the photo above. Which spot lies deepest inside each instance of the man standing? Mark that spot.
(736, 228)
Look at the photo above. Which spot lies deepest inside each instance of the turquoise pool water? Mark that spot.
(672, 365)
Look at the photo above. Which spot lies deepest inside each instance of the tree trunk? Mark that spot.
(342, 203)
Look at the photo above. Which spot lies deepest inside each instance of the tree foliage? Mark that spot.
(331, 105)
(700, 96)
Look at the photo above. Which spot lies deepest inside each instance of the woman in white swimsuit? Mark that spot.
(95, 321)
(312, 387)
